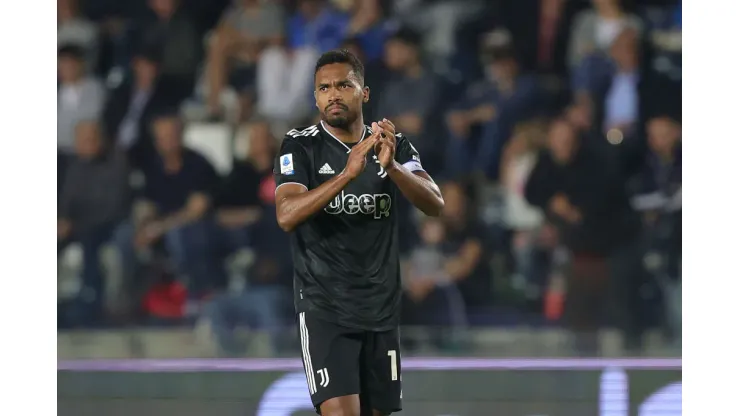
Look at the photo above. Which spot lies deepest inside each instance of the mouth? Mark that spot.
(336, 108)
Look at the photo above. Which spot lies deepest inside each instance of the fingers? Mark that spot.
(387, 141)
(367, 144)
(378, 129)
(389, 123)
(386, 134)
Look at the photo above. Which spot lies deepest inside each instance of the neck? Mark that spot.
(610, 13)
(73, 82)
(172, 161)
(353, 134)
(142, 85)
(414, 70)
(627, 67)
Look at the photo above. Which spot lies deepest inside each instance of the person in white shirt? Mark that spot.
(79, 97)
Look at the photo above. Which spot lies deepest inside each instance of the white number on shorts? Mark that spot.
(394, 365)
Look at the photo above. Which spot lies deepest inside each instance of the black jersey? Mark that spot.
(346, 256)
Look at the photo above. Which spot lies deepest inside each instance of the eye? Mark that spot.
(322, 89)
(344, 86)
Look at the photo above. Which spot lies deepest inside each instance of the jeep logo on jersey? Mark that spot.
(377, 205)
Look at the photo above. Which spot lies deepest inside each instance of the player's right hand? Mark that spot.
(358, 156)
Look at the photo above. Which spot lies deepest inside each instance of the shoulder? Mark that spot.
(195, 158)
(305, 136)
(302, 134)
(584, 18)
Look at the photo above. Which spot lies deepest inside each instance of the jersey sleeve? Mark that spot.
(406, 154)
(291, 164)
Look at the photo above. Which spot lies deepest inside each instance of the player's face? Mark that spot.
(339, 95)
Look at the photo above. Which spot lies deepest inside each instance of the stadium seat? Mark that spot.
(214, 141)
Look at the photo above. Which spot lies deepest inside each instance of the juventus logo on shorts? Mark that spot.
(324, 377)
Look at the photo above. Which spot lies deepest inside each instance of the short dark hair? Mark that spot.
(71, 51)
(407, 36)
(341, 56)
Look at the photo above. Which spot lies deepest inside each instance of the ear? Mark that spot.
(365, 94)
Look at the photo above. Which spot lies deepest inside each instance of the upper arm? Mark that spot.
(408, 156)
(292, 165)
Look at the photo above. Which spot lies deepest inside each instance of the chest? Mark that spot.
(370, 195)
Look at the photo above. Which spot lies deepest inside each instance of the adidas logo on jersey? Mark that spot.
(326, 170)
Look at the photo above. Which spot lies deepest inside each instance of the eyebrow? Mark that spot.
(344, 81)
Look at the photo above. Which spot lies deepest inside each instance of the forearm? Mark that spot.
(423, 193)
(182, 217)
(293, 210)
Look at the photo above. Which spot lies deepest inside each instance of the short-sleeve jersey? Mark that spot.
(346, 260)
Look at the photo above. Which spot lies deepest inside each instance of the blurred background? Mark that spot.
(552, 127)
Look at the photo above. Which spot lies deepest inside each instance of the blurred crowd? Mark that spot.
(552, 127)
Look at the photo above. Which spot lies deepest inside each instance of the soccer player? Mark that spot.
(337, 186)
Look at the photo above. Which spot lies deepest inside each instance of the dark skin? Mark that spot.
(340, 94)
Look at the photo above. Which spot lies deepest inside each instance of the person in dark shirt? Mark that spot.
(582, 193)
(338, 184)
(248, 189)
(657, 191)
(411, 93)
(94, 207)
(177, 206)
(132, 106)
(169, 30)
(246, 220)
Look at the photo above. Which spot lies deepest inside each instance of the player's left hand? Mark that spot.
(386, 146)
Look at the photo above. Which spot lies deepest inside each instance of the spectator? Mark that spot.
(430, 296)
(176, 208)
(594, 30)
(79, 97)
(463, 247)
(583, 195)
(658, 197)
(367, 26)
(613, 92)
(524, 220)
(265, 302)
(317, 25)
(621, 104)
(74, 29)
(93, 211)
(411, 93)
(249, 189)
(247, 215)
(246, 28)
(285, 75)
(171, 34)
(484, 119)
(131, 107)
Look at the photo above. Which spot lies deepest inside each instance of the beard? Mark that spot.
(340, 121)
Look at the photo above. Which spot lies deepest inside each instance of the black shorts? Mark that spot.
(343, 361)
